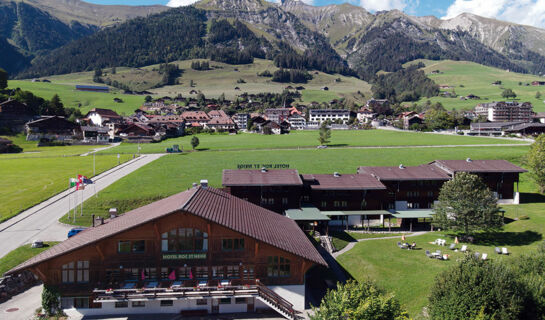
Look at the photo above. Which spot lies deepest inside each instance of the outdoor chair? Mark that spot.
(484, 256)
(477, 255)
(151, 284)
(498, 251)
(399, 244)
(464, 248)
(428, 254)
(202, 284)
(176, 284)
(452, 246)
(504, 251)
(443, 242)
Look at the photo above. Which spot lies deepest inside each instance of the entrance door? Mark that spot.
(250, 304)
(215, 306)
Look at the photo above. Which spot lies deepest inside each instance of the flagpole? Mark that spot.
(81, 203)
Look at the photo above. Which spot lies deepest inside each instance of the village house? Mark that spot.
(505, 111)
(52, 128)
(138, 132)
(410, 118)
(317, 116)
(93, 134)
(221, 124)
(297, 121)
(241, 120)
(365, 115)
(539, 117)
(198, 252)
(199, 117)
(14, 115)
(100, 117)
(277, 114)
(374, 104)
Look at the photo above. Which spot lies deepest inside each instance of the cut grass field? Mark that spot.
(175, 173)
(341, 238)
(477, 79)
(31, 149)
(27, 181)
(20, 255)
(309, 139)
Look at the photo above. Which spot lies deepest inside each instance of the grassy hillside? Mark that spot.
(221, 79)
(477, 79)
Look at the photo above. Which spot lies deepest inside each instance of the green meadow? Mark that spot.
(472, 78)
(20, 255)
(175, 173)
(31, 149)
(27, 181)
(309, 139)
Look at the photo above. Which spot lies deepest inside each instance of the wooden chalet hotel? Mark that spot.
(406, 193)
(201, 251)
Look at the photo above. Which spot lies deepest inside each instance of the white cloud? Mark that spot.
(180, 3)
(378, 5)
(530, 12)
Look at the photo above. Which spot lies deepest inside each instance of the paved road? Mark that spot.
(41, 221)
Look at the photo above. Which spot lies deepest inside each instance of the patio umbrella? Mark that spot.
(402, 237)
(456, 240)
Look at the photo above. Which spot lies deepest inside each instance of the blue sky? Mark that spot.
(529, 12)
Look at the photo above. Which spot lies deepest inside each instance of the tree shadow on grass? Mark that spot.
(338, 145)
(532, 198)
(343, 236)
(202, 149)
(507, 238)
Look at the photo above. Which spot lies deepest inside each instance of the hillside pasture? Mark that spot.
(471, 78)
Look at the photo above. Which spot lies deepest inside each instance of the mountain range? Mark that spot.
(40, 35)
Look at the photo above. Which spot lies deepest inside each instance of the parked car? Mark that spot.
(37, 244)
(75, 231)
(321, 147)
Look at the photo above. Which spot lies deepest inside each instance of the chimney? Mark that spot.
(113, 213)
(468, 160)
(264, 170)
(93, 219)
(195, 184)
(204, 184)
(336, 174)
(401, 166)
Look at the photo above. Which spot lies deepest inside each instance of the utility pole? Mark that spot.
(94, 171)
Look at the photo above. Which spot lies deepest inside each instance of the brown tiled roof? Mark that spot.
(195, 116)
(343, 182)
(288, 177)
(208, 203)
(221, 121)
(217, 114)
(400, 173)
(452, 166)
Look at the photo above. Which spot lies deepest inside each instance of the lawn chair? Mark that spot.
(504, 251)
(399, 244)
(443, 242)
(477, 255)
(484, 256)
(428, 254)
(498, 251)
(464, 248)
(452, 246)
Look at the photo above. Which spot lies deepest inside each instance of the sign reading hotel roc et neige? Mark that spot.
(266, 166)
(184, 256)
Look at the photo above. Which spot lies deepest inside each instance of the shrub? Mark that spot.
(359, 300)
(50, 300)
(477, 289)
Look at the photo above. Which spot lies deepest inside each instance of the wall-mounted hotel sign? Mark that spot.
(184, 256)
(263, 165)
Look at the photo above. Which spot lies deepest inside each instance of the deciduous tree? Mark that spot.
(466, 204)
(194, 142)
(508, 93)
(324, 133)
(362, 301)
(3, 79)
(536, 161)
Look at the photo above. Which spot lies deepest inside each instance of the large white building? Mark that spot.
(505, 111)
(318, 116)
